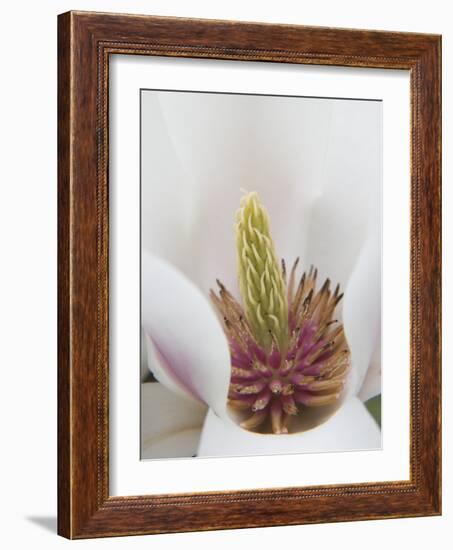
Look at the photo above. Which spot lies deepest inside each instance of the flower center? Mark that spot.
(269, 388)
(287, 352)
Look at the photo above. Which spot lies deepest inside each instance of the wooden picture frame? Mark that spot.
(85, 42)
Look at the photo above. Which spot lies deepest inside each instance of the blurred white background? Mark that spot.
(28, 278)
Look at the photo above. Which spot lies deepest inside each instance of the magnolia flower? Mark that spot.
(188, 243)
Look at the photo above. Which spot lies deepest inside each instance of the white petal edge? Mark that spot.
(350, 428)
(144, 369)
(349, 193)
(362, 307)
(163, 373)
(372, 384)
(166, 200)
(170, 426)
(186, 333)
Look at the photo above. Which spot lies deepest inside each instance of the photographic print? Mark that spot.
(248, 226)
(261, 274)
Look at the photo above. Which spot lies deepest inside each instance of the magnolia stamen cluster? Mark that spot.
(287, 350)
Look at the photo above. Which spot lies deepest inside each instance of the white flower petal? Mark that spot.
(171, 427)
(144, 362)
(350, 428)
(362, 307)
(163, 372)
(165, 206)
(222, 143)
(185, 332)
(372, 383)
(349, 200)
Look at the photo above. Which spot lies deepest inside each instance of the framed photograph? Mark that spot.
(249, 275)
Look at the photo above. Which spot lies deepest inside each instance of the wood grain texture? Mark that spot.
(64, 308)
(85, 42)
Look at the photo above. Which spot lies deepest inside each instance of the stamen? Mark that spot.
(288, 389)
(243, 374)
(275, 357)
(315, 400)
(276, 386)
(322, 385)
(242, 404)
(287, 352)
(289, 405)
(262, 401)
(248, 390)
(277, 418)
(254, 421)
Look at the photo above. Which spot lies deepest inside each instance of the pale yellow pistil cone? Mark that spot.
(261, 281)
